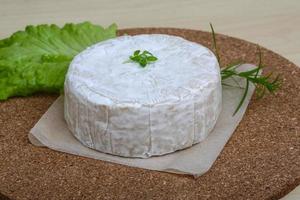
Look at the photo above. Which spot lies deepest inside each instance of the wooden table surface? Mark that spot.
(273, 24)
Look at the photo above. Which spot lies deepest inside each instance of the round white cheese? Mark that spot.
(121, 108)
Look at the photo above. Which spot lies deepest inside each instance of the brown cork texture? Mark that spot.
(260, 161)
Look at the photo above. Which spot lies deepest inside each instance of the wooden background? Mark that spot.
(274, 24)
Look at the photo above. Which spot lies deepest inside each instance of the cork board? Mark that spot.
(260, 161)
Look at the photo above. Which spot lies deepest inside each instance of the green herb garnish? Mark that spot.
(261, 82)
(143, 58)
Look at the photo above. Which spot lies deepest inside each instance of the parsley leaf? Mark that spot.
(143, 58)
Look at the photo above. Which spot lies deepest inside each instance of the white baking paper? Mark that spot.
(51, 131)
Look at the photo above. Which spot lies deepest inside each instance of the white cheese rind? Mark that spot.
(123, 109)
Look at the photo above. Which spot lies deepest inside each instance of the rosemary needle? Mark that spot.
(215, 43)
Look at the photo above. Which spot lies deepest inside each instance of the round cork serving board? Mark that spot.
(260, 161)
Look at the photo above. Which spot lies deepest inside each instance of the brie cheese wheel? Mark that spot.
(121, 108)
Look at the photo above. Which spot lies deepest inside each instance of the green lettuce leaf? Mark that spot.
(37, 59)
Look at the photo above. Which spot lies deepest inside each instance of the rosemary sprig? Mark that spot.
(261, 82)
(143, 58)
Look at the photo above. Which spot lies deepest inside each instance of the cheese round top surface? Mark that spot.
(183, 68)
